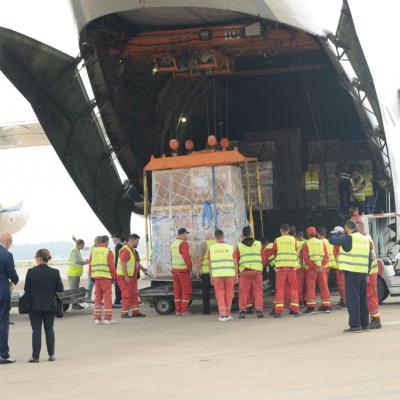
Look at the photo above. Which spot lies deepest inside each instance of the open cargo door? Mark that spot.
(49, 80)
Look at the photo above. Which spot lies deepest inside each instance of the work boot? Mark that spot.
(375, 324)
(186, 314)
(278, 315)
(109, 322)
(138, 315)
(294, 313)
(309, 311)
(321, 308)
(353, 330)
(272, 312)
(242, 315)
(249, 311)
(260, 314)
(341, 305)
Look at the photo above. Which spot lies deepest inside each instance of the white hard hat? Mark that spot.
(338, 229)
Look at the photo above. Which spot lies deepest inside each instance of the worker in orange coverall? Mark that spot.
(102, 271)
(316, 257)
(372, 288)
(128, 272)
(181, 263)
(250, 256)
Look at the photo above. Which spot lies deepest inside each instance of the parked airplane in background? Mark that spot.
(13, 215)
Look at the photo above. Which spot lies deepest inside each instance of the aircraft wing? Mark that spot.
(49, 80)
(25, 134)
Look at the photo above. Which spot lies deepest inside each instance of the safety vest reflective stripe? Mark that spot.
(271, 258)
(358, 190)
(374, 267)
(311, 180)
(369, 187)
(332, 260)
(204, 264)
(75, 270)
(130, 265)
(250, 256)
(99, 263)
(316, 251)
(177, 260)
(286, 255)
(356, 260)
(345, 176)
(221, 258)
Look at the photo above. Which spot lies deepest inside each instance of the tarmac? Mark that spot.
(170, 357)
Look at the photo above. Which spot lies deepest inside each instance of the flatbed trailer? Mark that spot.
(68, 297)
(160, 295)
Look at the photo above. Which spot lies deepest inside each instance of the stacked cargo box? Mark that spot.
(187, 198)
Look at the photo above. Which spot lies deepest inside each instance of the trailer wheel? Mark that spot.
(164, 305)
(66, 307)
(383, 291)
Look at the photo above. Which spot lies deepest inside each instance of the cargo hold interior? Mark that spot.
(288, 109)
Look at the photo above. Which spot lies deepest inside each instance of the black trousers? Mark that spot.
(47, 318)
(117, 294)
(205, 291)
(4, 328)
(356, 299)
(344, 195)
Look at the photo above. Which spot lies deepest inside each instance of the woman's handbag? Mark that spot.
(24, 304)
(60, 307)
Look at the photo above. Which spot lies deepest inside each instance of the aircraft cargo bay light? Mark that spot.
(286, 82)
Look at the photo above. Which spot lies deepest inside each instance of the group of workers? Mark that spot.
(355, 188)
(299, 265)
(105, 268)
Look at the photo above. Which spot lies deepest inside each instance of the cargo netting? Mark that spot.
(198, 199)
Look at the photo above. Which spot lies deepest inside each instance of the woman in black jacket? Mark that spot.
(41, 284)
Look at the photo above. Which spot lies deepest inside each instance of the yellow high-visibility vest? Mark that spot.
(311, 180)
(250, 256)
(221, 258)
(369, 187)
(75, 270)
(99, 264)
(374, 267)
(358, 190)
(271, 258)
(332, 260)
(177, 260)
(315, 251)
(204, 264)
(286, 255)
(300, 244)
(130, 265)
(356, 260)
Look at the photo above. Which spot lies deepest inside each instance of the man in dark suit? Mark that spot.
(7, 275)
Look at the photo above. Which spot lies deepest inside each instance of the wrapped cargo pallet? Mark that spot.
(198, 198)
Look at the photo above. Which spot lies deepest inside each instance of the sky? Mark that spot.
(56, 207)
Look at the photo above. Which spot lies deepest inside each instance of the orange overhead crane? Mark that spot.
(210, 51)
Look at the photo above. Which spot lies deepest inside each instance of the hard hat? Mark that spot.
(338, 229)
(311, 230)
